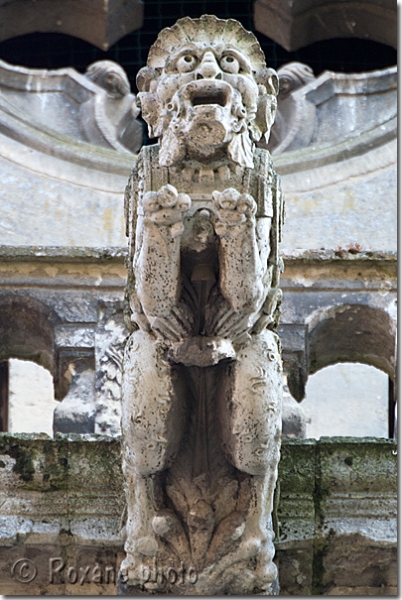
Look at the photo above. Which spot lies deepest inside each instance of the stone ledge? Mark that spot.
(119, 254)
(335, 519)
(62, 253)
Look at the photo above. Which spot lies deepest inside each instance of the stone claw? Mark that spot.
(227, 199)
(232, 208)
(247, 205)
(167, 196)
(150, 202)
(166, 207)
(183, 202)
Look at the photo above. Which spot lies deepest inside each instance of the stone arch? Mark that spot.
(298, 23)
(27, 330)
(351, 333)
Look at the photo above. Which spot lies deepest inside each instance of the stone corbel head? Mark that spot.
(109, 117)
(110, 76)
(206, 91)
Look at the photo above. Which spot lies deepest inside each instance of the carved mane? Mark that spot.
(207, 29)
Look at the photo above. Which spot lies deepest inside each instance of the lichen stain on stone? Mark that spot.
(22, 268)
(108, 219)
(23, 462)
(51, 271)
(348, 202)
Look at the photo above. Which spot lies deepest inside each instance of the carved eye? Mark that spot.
(230, 64)
(186, 63)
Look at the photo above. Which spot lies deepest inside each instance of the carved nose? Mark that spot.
(209, 68)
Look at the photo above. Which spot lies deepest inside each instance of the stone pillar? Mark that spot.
(202, 369)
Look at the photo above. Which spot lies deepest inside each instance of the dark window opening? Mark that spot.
(4, 378)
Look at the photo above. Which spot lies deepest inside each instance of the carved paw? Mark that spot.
(231, 209)
(166, 208)
(137, 572)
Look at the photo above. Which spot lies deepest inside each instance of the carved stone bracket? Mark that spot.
(333, 108)
(202, 369)
(297, 23)
(98, 22)
(60, 112)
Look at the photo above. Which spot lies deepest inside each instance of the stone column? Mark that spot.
(202, 369)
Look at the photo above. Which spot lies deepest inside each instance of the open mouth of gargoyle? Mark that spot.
(215, 97)
(204, 93)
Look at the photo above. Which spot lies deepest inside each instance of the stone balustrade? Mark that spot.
(62, 504)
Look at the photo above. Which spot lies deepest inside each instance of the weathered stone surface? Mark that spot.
(202, 369)
(110, 337)
(68, 329)
(296, 23)
(296, 118)
(352, 291)
(332, 185)
(352, 190)
(336, 154)
(345, 534)
(368, 526)
(336, 514)
(332, 108)
(98, 22)
(97, 107)
(340, 187)
(27, 329)
(66, 140)
(91, 184)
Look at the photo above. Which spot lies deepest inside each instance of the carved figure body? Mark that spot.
(202, 379)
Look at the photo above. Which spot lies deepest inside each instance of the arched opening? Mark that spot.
(351, 333)
(26, 330)
(351, 353)
(31, 402)
(57, 50)
(347, 399)
(26, 365)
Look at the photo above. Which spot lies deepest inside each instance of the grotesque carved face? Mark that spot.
(208, 96)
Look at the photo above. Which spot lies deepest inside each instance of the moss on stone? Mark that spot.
(23, 462)
(317, 587)
(297, 466)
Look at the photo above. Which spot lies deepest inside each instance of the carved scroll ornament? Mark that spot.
(202, 382)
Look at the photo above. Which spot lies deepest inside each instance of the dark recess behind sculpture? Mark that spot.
(55, 50)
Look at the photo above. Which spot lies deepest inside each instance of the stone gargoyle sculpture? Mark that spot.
(202, 374)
